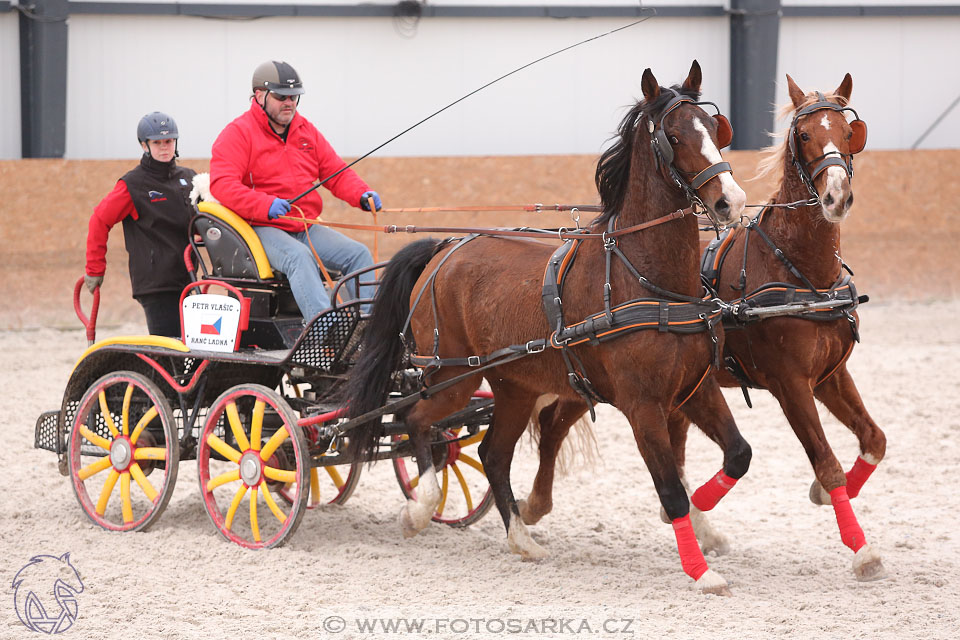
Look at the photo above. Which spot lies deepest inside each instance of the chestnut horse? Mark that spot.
(802, 357)
(472, 299)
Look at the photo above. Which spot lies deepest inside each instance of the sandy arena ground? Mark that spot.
(613, 572)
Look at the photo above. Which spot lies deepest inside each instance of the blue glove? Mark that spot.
(278, 207)
(365, 205)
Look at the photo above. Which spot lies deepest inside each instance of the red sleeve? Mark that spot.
(347, 186)
(116, 206)
(228, 165)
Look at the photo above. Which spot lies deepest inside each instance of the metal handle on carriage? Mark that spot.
(89, 323)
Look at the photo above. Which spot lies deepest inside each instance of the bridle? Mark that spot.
(832, 158)
(664, 154)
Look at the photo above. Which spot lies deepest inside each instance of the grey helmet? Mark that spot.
(157, 126)
(278, 77)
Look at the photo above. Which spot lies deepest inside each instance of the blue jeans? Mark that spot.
(290, 254)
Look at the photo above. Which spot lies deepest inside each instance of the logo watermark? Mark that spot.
(483, 626)
(45, 594)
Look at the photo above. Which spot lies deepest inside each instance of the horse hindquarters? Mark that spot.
(381, 351)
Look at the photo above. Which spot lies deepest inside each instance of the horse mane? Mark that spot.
(613, 167)
(773, 156)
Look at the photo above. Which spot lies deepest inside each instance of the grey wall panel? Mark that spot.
(10, 81)
(902, 68)
(366, 82)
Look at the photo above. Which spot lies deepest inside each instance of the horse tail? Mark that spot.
(381, 349)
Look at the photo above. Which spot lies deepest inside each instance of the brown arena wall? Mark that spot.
(901, 239)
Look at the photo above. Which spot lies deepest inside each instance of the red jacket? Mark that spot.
(152, 203)
(251, 165)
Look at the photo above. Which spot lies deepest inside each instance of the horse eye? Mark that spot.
(804, 136)
(849, 134)
(674, 140)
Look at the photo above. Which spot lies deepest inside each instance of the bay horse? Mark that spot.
(467, 300)
(795, 252)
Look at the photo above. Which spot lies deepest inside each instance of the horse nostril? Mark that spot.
(850, 201)
(828, 200)
(722, 206)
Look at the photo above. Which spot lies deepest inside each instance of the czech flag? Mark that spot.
(212, 328)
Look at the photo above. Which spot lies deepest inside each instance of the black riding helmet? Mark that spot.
(278, 77)
(157, 126)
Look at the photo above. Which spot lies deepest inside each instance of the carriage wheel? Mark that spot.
(123, 441)
(328, 485)
(465, 494)
(249, 441)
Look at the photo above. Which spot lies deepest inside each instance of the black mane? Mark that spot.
(613, 167)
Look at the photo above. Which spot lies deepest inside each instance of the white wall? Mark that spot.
(903, 69)
(366, 83)
(10, 81)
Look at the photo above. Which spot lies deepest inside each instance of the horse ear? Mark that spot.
(694, 78)
(845, 88)
(859, 138)
(650, 86)
(724, 130)
(796, 93)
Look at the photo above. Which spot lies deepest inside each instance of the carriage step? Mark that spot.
(45, 433)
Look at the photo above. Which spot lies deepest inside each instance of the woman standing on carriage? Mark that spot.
(152, 201)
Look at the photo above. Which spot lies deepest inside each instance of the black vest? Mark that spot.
(157, 238)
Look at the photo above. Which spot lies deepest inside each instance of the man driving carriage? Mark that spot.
(269, 155)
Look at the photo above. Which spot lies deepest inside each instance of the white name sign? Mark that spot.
(210, 322)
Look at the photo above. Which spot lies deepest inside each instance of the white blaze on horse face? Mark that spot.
(732, 192)
(825, 123)
(836, 186)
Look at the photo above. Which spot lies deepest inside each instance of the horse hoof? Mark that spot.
(713, 583)
(818, 496)
(867, 565)
(533, 553)
(526, 514)
(717, 544)
(664, 518)
(522, 544)
(407, 528)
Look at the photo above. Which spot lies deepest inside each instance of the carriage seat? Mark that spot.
(234, 249)
(235, 255)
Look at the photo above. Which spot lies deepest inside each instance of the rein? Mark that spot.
(562, 233)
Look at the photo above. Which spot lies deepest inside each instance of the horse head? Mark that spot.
(822, 144)
(686, 141)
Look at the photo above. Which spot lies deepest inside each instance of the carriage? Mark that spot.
(261, 400)
(251, 395)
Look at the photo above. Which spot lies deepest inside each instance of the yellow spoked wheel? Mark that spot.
(328, 485)
(123, 452)
(251, 442)
(465, 491)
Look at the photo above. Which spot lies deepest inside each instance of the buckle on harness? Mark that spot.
(473, 361)
(535, 348)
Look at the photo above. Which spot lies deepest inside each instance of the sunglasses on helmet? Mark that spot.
(282, 98)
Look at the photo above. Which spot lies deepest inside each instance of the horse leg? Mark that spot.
(839, 394)
(511, 412)
(555, 421)
(649, 424)
(708, 409)
(415, 515)
(796, 399)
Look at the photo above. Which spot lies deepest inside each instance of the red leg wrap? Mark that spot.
(850, 531)
(691, 558)
(858, 475)
(707, 496)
